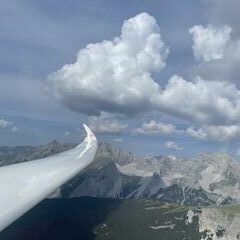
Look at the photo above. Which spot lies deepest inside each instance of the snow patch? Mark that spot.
(210, 176)
(162, 226)
(190, 215)
(132, 170)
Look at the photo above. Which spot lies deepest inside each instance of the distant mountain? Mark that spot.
(206, 179)
(209, 178)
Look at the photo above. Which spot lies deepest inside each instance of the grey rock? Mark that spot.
(209, 178)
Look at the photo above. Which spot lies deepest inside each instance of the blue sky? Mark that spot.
(195, 47)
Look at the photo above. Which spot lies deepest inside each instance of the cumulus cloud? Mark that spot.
(66, 133)
(14, 129)
(114, 76)
(225, 69)
(218, 48)
(172, 145)
(220, 133)
(153, 127)
(201, 101)
(4, 123)
(106, 124)
(196, 133)
(209, 43)
(216, 133)
(8, 124)
(118, 140)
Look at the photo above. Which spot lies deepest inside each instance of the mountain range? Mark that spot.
(209, 178)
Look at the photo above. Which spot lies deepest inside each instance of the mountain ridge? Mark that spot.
(208, 178)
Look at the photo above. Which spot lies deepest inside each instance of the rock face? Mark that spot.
(206, 179)
(219, 223)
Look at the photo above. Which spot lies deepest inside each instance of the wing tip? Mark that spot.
(90, 134)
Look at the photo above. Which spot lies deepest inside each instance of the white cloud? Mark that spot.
(8, 124)
(66, 133)
(114, 76)
(196, 133)
(201, 101)
(153, 127)
(224, 69)
(220, 133)
(172, 145)
(4, 123)
(209, 43)
(216, 48)
(216, 133)
(118, 140)
(14, 129)
(106, 124)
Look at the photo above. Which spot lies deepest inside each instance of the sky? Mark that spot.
(152, 77)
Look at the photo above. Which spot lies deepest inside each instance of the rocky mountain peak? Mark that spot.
(205, 179)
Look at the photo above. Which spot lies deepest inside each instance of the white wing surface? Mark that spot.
(23, 185)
